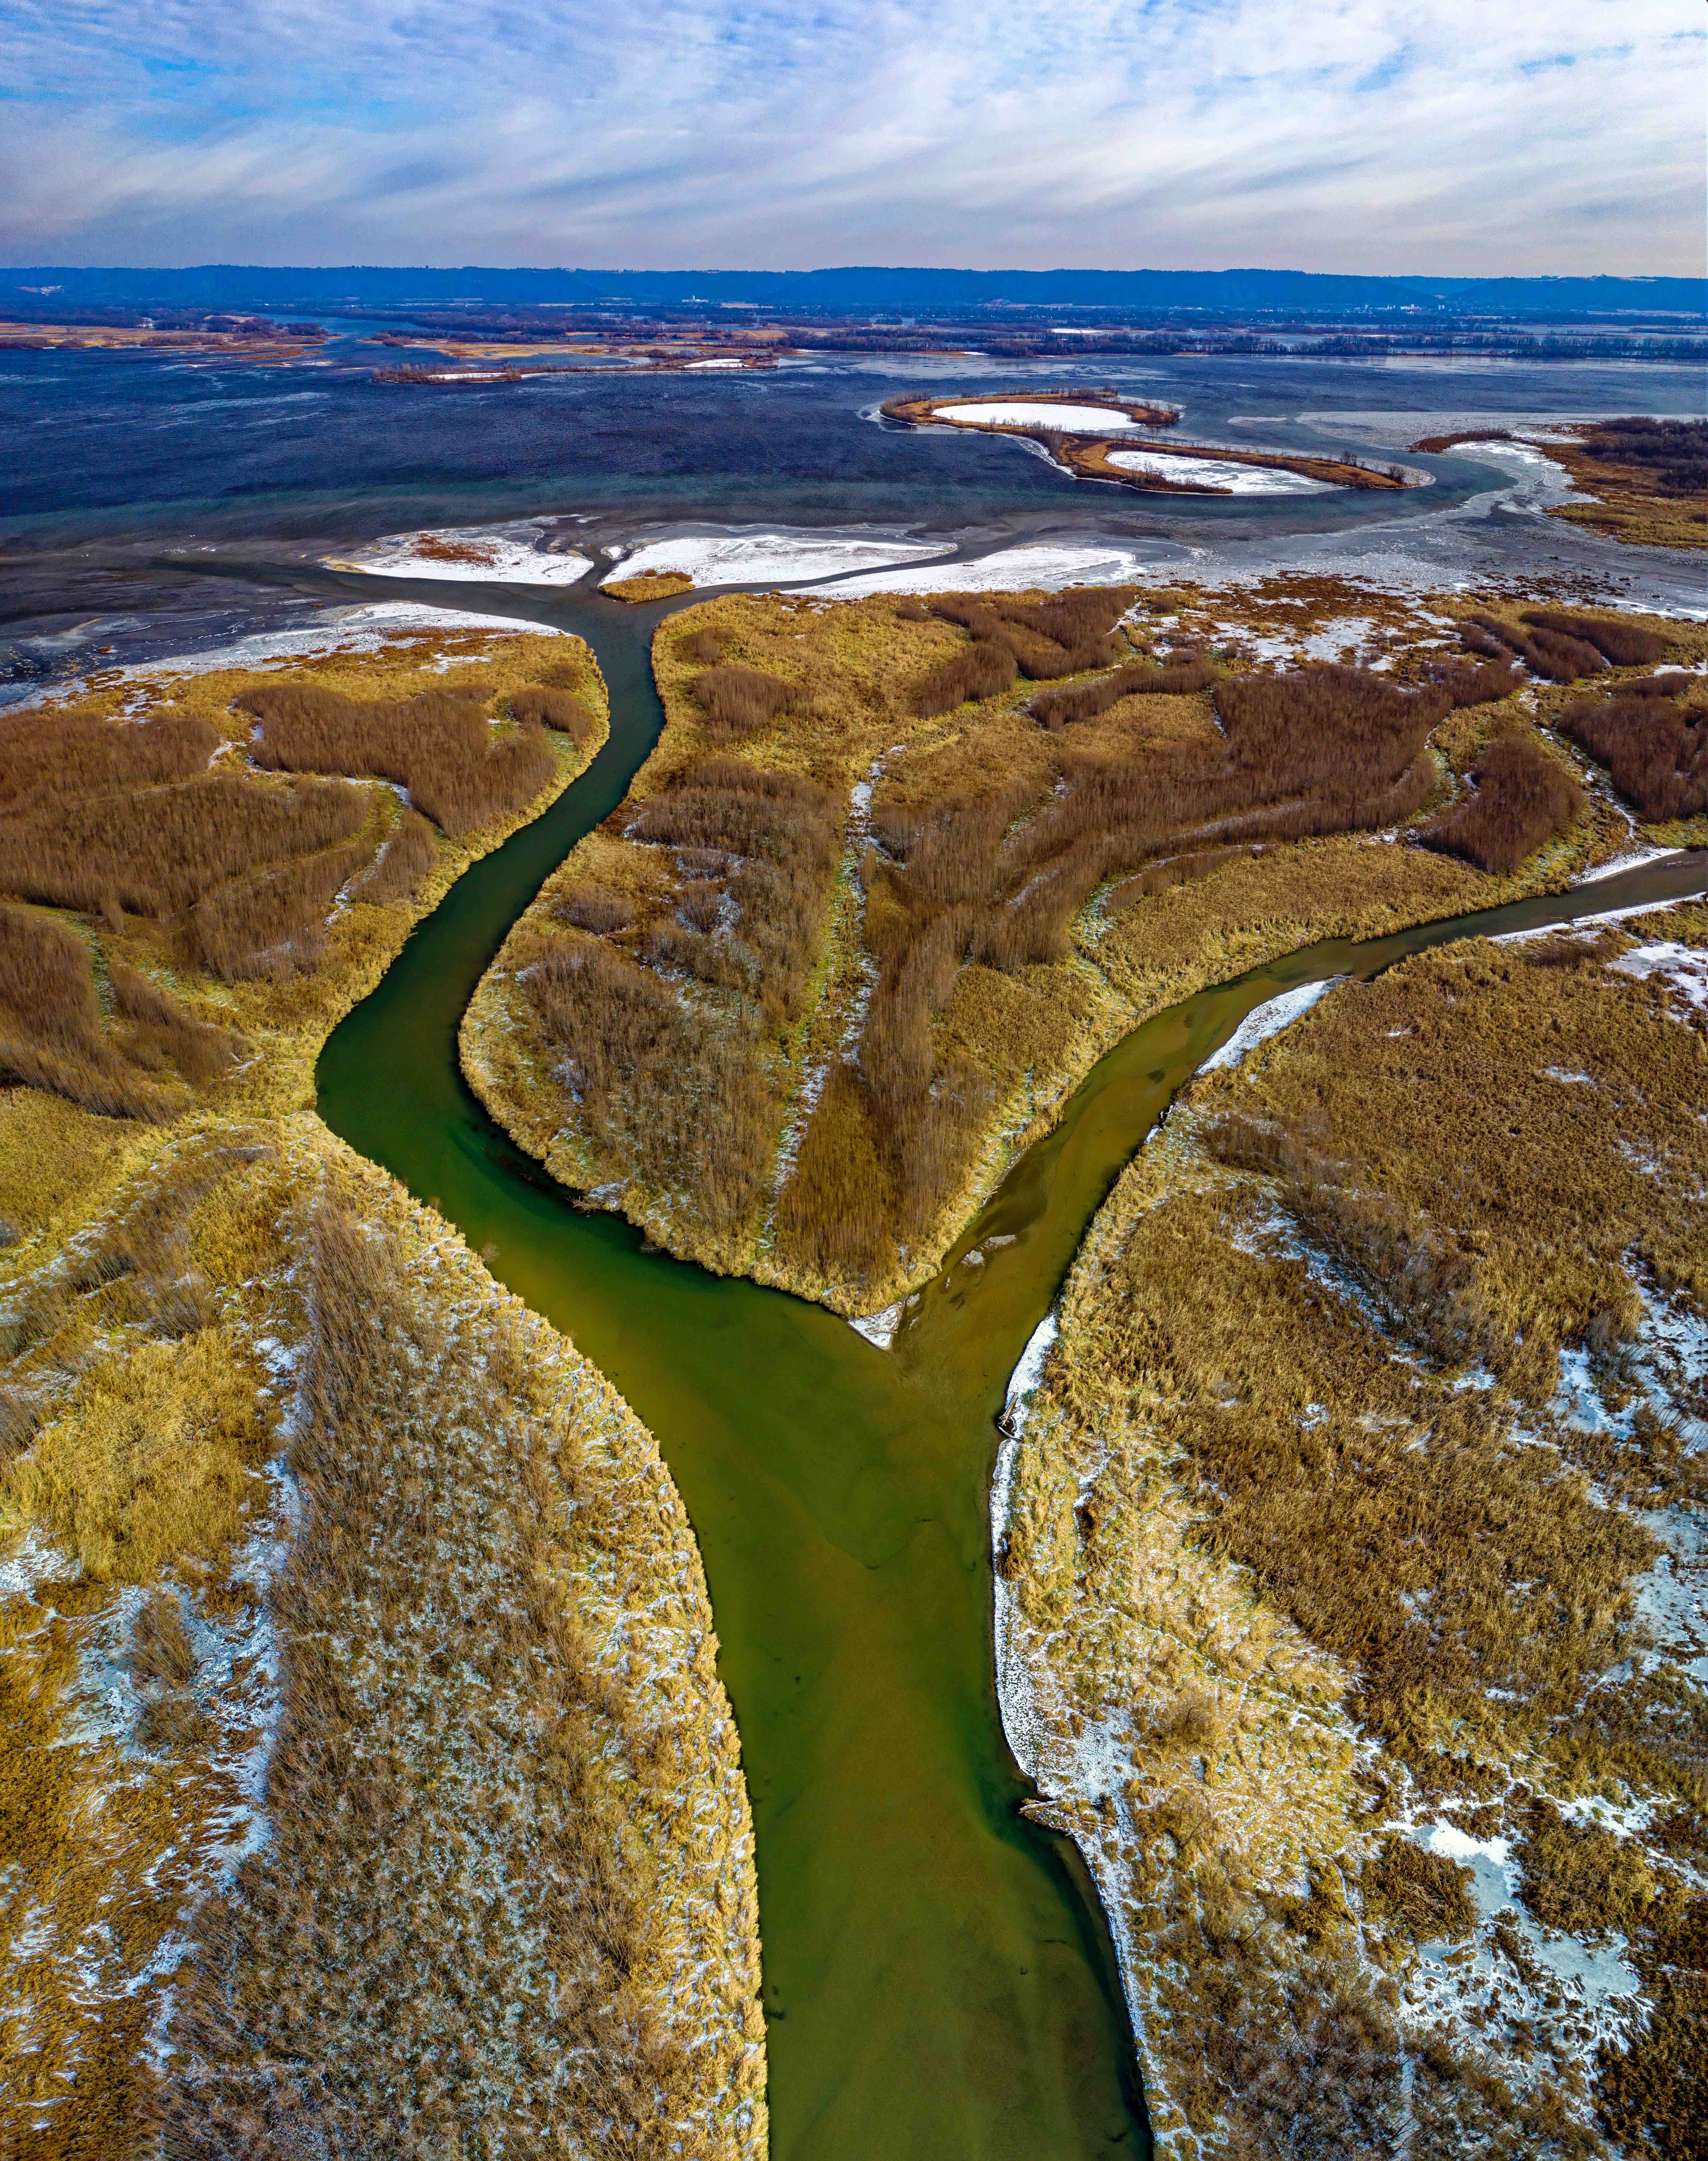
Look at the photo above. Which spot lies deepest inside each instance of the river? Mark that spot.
(938, 1981)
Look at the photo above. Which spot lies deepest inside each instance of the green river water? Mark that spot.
(938, 1981)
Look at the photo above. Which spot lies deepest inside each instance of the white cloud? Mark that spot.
(1426, 135)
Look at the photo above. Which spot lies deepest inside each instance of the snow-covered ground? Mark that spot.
(748, 559)
(1085, 420)
(494, 555)
(1017, 1687)
(1683, 968)
(1266, 1020)
(1220, 473)
(1611, 868)
(1013, 570)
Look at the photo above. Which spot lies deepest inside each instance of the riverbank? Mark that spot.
(1310, 1624)
(1638, 479)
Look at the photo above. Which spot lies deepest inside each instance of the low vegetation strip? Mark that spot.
(1337, 1553)
(361, 1607)
(879, 898)
(1077, 427)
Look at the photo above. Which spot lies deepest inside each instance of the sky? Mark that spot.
(1439, 137)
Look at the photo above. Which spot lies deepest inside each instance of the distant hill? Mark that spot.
(868, 290)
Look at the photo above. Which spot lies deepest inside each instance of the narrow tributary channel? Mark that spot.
(938, 1981)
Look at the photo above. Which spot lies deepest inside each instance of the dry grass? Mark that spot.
(553, 2023)
(1524, 799)
(650, 585)
(1256, 1491)
(506, 1890)
(148, 1465)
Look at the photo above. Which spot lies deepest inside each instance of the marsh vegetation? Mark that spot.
(1350, 1436)
(403, 1841)
(366, 1761)
(899, 870)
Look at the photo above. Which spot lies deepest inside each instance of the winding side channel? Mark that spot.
(938, 1982)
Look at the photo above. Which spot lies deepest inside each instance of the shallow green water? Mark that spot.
(938, 1983)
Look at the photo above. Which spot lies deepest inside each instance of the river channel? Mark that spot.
(938, 1981)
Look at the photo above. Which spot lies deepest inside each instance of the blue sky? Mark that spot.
(1444, 135)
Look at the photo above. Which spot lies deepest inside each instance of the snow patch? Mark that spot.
(1010, 570)
(749, 559)
(1017, 1692)
(1633, 861)
(1220, 473)
(1266, 1020)
(1095, 419)
(493, 555)
(1022, 1382)
(1684, 969)
(880, 1328)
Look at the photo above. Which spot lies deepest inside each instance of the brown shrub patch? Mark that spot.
(438, 744)
(562, 710)
(51, 1034)
(592, 907)
(1655, 750)
(738, 701)
(703, 647)
(662, 1095)
(1625, 644)
(1422, 1893)
(1063, 636)
(402, 865)
(1057, 709)
(1522, 798)
(983, 670)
